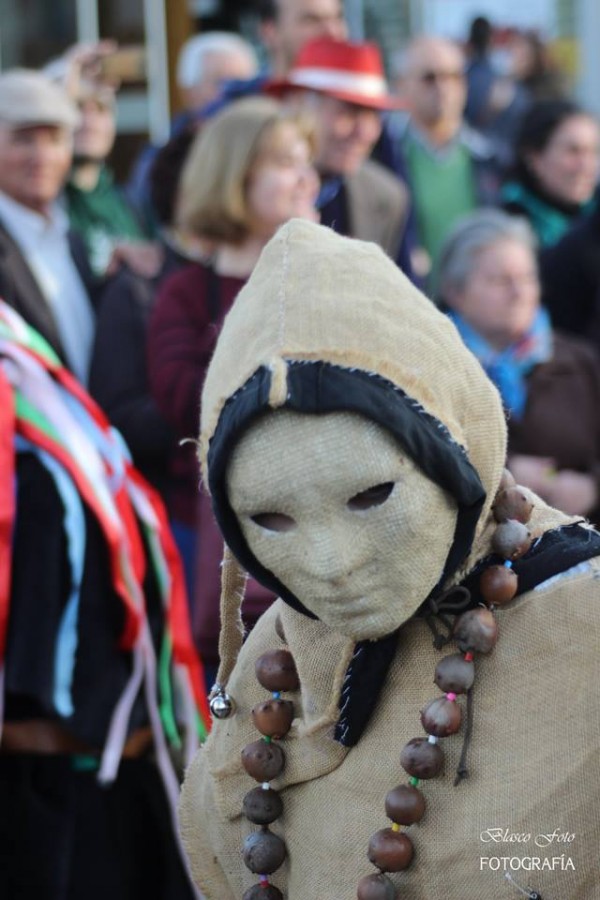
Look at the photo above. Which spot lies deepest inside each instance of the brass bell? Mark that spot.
(221, 705)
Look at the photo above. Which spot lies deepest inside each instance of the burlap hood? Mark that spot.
(325, 323)
(312, 332)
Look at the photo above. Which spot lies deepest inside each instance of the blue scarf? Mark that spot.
(509, 368)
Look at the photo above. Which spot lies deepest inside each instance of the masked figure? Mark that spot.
(354, 450)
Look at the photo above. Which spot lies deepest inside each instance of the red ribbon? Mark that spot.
(184, 651)
(7, 501)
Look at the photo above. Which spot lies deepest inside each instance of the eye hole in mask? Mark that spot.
(272, 521)
(373, 496)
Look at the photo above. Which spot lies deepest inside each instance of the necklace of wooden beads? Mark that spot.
(390, 849)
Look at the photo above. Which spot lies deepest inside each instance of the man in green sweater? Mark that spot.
(451, 168)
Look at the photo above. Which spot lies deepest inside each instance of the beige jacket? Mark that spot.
(377, 206)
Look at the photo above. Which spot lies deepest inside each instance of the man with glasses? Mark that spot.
(451, 168)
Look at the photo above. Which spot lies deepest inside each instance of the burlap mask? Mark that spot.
(332, 507)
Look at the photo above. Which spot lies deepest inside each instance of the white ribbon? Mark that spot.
(322, 79)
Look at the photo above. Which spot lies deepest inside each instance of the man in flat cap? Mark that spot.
(44, 272)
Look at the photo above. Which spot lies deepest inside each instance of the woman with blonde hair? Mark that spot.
(249, 170)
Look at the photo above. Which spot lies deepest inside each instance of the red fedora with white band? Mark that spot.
(348, 71)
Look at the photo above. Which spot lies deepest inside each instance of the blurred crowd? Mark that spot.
(472, 167)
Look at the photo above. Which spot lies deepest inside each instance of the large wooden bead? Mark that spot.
(441, 717)
(273, 718)
(511, 540)
(263, 852)
(405, 805)
(512, 503)
(421, 759)
(376, 887)
(263, 761)
(498, 585)
(476, 630)
(262, 806)
(276, 671)
(260, 892)
(390, 851)
(454, 674)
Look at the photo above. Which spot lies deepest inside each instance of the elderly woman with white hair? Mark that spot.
(549, 382)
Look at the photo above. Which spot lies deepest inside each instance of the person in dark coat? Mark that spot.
(92, 594)
(570, 272)
(118, 370)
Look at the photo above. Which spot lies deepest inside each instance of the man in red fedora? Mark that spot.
(342, 84)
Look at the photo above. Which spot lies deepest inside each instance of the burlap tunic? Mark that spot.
(533, 763)
(530, 806)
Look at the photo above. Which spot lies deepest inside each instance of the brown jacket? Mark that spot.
(377, 207)
(19, 288)
(562, 415)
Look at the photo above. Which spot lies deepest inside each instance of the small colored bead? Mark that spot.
(451, 696)
(263, 892)
(498, 585)
(263, 761)
(432, 739)
(266, 786)
(441, 717)
(390, 851)
(262, 806)
(414, 781)
(511, 540)
(395, 827)
(469, 656)
(422, 759)
(263, 852)
(404, 805)
(512, 503)
(276, 695)
(376, 887)
(476, 630)
(454, 674)
(263, 880)
(276, 671)
(507, 564)
(273, 718)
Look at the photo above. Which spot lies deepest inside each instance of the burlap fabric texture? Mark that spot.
(534, 762)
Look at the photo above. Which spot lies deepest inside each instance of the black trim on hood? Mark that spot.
(320, 387)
